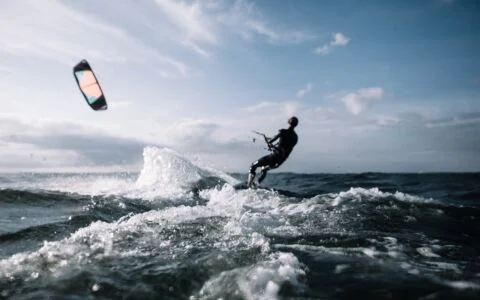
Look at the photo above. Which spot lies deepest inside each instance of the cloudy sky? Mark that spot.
(389, 86)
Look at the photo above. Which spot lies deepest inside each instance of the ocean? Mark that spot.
(179, 230)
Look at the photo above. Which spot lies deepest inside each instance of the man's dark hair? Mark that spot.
(293, 121)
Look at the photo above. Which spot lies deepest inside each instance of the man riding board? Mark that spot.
(287, 139)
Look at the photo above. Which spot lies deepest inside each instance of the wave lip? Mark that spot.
(358, 194)
(167, 173)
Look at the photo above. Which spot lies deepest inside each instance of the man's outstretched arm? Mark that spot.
(272, 140)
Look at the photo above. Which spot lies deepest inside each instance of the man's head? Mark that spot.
(293, 121)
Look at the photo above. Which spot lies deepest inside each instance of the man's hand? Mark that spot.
(270, 146)
(268, 141)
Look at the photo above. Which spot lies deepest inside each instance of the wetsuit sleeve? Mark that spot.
(273, 139)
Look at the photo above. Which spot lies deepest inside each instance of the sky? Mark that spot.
(378, 86)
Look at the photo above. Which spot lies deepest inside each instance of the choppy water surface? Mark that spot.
(180, 231)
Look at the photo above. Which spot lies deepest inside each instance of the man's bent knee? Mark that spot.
(253, 167)
(263, 173)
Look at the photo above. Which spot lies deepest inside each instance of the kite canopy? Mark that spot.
(89, 86)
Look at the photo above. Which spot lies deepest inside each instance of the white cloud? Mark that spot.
(277, 36)
(359, 101)
(192, 23)
(22, 156)
(259, 106)
(388, 120)
(291, 108)
(56, 32)
(206, 22)
(191, 130)
(190, 18)
(226, 142)
(197, 49)
(262, 29)
(305, 90)
(339, 40)
(119, 104)
(161, 37)
(40, 143)
(323, 50)
(201, 25)
(8, 69)
(286, 108)
(465, 119)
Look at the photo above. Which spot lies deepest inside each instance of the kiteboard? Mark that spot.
(244, 186)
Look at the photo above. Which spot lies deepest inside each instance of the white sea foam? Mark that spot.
(394, 249)
(306, 207)
(249, 214)
(340, 268)
(462, 285)
(168, 174)
(249, 218)
(443, 266)
(356, 251)
(259, 281)
(374, 194)
(251, 210)
(97, 241)
(84, 184)
(427, 252)
(165, 173)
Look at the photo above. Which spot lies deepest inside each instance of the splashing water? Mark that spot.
(179, 230)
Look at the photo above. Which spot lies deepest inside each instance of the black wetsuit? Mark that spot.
(287, 140)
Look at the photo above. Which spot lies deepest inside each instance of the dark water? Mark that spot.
(178, 231)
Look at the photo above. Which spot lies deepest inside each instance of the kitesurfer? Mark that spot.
(287, 139)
